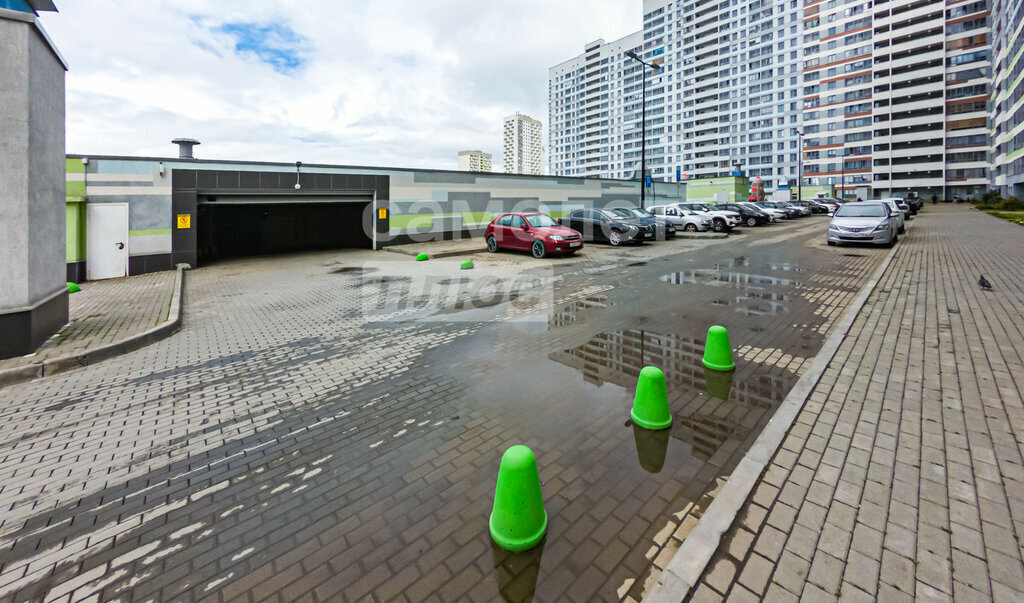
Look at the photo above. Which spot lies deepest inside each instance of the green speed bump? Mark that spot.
(718, 351)
(518, 521)
(650, 404)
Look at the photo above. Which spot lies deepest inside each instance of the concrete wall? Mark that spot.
(33, 296)
(421, 202)
(718, 190)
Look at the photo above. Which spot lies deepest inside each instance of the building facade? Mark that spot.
(474, 161)
(523, 151)
(895, 96)
(733, 71)
(594, 111)
(1007, 101)
(727, 94)
(167, 211)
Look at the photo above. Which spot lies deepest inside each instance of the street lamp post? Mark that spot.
(800, 165)
(643, 123)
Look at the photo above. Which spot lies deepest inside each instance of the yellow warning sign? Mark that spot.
(382, 213)
(184, 220)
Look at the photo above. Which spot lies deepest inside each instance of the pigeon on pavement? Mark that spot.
(985, 285)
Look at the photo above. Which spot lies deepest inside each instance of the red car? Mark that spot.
(539, 233)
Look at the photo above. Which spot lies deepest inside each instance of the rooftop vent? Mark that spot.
(185, 147)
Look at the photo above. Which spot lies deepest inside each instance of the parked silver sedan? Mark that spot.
(869, 222)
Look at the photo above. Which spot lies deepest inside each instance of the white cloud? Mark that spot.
(388, 82)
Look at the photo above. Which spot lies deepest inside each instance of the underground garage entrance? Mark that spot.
(250, 225)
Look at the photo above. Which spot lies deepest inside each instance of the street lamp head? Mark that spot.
(632, 55)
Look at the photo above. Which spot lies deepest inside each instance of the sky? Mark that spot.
(402, 83)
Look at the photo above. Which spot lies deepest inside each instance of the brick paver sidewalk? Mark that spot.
(106, 312)
(903, 476)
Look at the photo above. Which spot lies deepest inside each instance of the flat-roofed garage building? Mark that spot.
(132, 215)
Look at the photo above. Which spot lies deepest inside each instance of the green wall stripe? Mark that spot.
(73, 165)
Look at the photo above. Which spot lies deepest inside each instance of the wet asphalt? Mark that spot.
(328, 426)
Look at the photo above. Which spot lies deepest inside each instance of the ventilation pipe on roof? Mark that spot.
(185, 147)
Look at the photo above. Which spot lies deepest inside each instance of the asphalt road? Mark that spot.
(329, 425)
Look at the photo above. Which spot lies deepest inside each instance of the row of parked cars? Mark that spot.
(542, 235)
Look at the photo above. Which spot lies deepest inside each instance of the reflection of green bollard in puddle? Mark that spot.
(650, 404)
(422, 257)
(719, 383)
(517, 572)
(718, 351)
(651, 447)
(466, 265)
(518, 521)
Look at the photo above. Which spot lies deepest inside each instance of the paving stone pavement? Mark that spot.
(105, 312)
(903, 477)
(288, 444)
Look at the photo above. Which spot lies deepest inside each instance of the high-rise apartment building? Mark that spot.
(888, 96)
(474, 161)
(1007, 100)
(523, 151)
(895, 96)
(594, 111)
(734, 77)
(727, 95)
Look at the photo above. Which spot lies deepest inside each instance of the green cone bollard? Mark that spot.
(650, 404)
(718, 351)
(467, 265)
(422, 257)
(518, 521)
(73, 287)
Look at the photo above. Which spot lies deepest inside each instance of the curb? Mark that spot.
(129, 344)
(686, 566)
(445, 254)
(701, 235)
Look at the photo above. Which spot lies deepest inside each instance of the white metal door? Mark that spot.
(106, 247)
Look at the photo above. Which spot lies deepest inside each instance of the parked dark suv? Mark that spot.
(662, 229)
(749, 213)
(604, 225)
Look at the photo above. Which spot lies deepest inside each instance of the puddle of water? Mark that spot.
(785, 268)
(384, 280)
(651, 447)
(736, 280)
(478, 303)
(517, 573)
(738, 262)
(356, 270)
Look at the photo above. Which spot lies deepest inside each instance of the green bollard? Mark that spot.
(718, 351)
(422, 257)
(518, 521)
(73, 287)
(466, 265)
(650, 404)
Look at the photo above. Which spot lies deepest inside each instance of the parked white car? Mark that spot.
(868, 222)
(902, 212)
(722, 219)
(683, 219)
